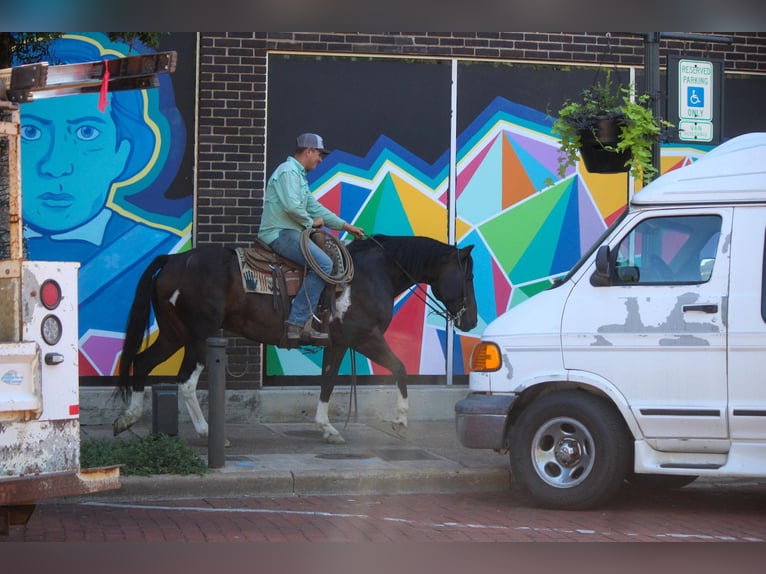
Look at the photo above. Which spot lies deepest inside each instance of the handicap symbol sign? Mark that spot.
(695, 97)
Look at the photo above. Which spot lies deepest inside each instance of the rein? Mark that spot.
(431, 302)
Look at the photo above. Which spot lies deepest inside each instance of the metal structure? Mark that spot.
(39, 384)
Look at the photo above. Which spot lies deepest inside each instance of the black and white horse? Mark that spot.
(196, 293)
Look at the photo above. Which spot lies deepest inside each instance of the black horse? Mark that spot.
(198, 292)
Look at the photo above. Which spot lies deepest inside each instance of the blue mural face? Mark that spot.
(70, 158)
(94, 186)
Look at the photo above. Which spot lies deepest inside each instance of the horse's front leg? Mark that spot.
(188, 392)
(378, 350)
(322, 420)
(331, 359)
(399, 423)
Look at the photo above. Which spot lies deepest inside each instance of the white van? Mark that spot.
(647, 362)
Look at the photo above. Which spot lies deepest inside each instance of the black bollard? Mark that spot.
(216, 396)
(165, 408)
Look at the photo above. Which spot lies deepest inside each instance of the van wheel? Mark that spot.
(570, 450)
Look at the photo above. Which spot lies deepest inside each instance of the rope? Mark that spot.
(352, 394)
(344, 265)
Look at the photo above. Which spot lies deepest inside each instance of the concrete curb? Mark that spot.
(217, 484)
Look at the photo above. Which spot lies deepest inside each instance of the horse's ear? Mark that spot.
(465, 251)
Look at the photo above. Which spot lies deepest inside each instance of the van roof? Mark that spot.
(733, 172)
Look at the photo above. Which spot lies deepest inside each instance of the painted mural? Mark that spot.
(528, 225)
(96, 183)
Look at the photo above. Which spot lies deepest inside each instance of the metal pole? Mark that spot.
(652, 72)
(216, 395)
(452, 215)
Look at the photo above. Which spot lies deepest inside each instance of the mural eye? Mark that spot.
(87, 133)
(31, 133)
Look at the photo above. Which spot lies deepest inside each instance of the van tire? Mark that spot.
(570, 450)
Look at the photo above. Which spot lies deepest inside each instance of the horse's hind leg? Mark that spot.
(161, 350)
(130, 414)
(331, 360)
(188, 392)
(191, 369)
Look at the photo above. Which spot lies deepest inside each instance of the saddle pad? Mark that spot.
(254, 280)
(257, 280)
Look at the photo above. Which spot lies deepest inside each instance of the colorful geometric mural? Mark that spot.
(96, 189)
(528, 225)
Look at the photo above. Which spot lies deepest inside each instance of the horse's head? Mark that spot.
(454, 288)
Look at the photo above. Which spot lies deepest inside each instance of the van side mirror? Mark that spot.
(600, 277)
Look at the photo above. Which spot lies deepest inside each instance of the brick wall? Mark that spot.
(232, 109)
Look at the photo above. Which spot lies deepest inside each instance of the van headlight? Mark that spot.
(486, 357)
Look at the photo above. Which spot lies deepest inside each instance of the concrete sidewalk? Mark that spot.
(292, 458)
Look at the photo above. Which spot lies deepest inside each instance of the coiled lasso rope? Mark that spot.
(343, 268)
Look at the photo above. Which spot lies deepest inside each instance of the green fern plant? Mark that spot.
(639, 128)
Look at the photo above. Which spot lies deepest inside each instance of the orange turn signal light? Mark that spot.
(486, 357)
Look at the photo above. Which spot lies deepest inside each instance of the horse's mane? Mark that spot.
(411, 252)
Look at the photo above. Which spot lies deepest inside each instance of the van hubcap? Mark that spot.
(563, 452)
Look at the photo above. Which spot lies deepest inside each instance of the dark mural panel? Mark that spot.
(743, 95)
(543, 88)
(351, 102)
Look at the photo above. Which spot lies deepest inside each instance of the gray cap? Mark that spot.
(312, 141)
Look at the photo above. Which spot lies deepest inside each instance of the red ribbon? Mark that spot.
(102, 101)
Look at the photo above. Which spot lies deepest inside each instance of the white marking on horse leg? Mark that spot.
(342, 303)
(174, 297)
(322, 420)
(131, 414)
(189, 394)
(402, 411)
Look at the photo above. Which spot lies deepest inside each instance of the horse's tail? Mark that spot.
(138, 325)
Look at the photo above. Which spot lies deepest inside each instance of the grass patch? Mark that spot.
(154, 454)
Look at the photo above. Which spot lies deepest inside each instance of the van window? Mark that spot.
(669, 250)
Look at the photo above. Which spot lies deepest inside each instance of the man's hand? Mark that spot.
(318, 222)
(357, 232)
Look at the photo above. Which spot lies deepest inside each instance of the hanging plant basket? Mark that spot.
(595, 147)
(606, 117)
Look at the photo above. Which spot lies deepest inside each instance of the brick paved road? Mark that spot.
(708, 514)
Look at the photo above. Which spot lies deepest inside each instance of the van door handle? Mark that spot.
(703, 308)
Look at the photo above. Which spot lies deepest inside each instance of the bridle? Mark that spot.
(435, 305)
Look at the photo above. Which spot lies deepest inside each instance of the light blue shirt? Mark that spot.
(289, 203)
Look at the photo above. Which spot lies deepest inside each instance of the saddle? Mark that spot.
(264, 271)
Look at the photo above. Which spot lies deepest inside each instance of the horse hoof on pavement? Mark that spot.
(400, 429)
(121, 424)
(335, 439)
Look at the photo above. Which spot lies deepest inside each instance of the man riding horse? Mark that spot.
(289, 209)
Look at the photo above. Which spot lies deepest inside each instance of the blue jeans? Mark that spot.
(288, 244)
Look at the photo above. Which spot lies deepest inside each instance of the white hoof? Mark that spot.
(334, 438)
(121, 424)
(330, 434)
(400, 429)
